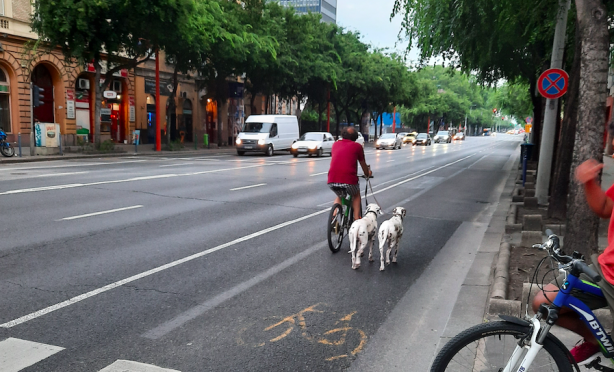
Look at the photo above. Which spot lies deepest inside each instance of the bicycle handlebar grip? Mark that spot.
(594, 275)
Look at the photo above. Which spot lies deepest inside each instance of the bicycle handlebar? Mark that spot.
(576, 261)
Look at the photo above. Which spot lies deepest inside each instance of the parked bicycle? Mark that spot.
(516, 345)
(5, 147)
(341, 217)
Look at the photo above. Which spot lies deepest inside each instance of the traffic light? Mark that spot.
(37, 97)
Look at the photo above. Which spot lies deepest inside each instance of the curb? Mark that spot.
(499, 287)
(32, 159)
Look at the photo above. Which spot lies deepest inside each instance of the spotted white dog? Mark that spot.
(362, 232)
(391, 232)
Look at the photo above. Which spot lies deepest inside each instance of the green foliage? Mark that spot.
(107, 146)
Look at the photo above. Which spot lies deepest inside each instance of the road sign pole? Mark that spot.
(549, 127)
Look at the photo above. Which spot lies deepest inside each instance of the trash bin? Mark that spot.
(205, 140)
(526, 148)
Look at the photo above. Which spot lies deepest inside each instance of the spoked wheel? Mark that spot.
(336, 230)
(488, 347)
(7, 150)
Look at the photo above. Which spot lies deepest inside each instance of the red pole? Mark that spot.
(394, 120)
(158, 139)
(428, 126)
(328, 113)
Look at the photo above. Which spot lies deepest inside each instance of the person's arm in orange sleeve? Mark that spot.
(600, 203)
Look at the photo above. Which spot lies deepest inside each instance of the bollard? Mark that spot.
(60, 143)
(206, 141)
(524, 169)
(19, 142)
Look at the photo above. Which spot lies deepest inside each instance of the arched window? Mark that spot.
(5, 102)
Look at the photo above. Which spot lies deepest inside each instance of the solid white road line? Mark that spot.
(130, 366)
(247, 187)
(175, 165)
(389, 161)
(134, 179)
(72, 165)
(318, 174)
(158, 269)
(16, 354)
(99, 213)
(133, 278)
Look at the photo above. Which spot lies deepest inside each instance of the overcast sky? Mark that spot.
(372, 19)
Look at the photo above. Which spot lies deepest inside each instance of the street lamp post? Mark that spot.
(158, 139)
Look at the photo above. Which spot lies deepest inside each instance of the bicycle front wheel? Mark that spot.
(488, 347)
(7, 150)
(336, 230)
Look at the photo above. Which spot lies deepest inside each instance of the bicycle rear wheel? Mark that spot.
(488, 347)
(336, 230)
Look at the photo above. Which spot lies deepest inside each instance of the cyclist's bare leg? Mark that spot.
(568, 319)
(356, 206)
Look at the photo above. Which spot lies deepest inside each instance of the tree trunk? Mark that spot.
(557, 208)
(582, 223)
(172, 108)
(338, 117)
(320, 112)
(97, 104)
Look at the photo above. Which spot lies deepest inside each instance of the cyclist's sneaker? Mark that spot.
(584, 351)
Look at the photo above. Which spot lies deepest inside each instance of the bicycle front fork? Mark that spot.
(534, 349)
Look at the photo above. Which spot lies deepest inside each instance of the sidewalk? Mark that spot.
(121, 150)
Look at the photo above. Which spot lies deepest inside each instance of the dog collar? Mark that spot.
(375, 213)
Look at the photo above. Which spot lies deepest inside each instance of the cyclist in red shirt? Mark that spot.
(343, 172)
(601, 202)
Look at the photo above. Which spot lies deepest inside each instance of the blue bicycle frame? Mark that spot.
(565, 299)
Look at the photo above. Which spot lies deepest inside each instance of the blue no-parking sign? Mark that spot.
(553, 83)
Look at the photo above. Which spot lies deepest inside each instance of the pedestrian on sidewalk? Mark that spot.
(602, 203)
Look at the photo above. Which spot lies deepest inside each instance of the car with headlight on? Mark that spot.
(423, 139)
(443, 136)
(460, 136)
(313, 143)
(410, 138)
(389, 140)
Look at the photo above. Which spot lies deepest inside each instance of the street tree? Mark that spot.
(122, 33)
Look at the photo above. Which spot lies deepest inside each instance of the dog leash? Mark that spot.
(367, 186)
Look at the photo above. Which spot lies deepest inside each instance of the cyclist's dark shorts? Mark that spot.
(343, 189)
(592, 301)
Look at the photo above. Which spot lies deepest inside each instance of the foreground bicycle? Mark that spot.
(341, 217)
(515, 345)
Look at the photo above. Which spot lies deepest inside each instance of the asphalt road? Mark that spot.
(219, 263)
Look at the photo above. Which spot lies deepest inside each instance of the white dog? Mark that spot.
(391, 231)
(362, 232)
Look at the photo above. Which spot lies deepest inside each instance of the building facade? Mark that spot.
(328, 8)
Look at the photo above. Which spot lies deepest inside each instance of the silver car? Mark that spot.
(389, 140)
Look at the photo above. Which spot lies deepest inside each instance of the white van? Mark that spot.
(267, 133)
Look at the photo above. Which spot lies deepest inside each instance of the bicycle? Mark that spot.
(341, 217)
(514, 345)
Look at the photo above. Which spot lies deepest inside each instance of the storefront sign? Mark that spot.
(150, 87)
(83, 99)
(109, 94)
(105, 111)
(70, 104)
(132, 109)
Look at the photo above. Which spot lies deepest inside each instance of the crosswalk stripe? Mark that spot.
(129, 366)
(16, 354)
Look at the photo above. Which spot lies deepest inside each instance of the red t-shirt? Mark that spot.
(606, 259)
(344, 163)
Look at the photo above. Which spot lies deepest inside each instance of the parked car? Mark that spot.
(313, 143)
(443, 136)
(460, 136)
(410, 138)
(423, 139)
(389, 140)
(360, 140)
(267, 133)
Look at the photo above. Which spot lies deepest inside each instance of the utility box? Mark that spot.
(47, 138)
